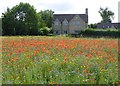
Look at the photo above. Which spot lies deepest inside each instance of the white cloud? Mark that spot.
(68, 6)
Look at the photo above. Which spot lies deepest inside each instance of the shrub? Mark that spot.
(100, 32)
(44, 31)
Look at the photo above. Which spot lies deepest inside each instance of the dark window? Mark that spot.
(103, 27)
(76, 23)
(65, 22)
(56, 32)
(65, 32)
(77, 31)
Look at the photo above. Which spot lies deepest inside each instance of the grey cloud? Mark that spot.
(64, 6)
(58, 6)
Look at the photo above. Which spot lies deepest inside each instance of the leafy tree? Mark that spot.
(92, 26)
(22, 19)
(8, 23)
(106, 14)
(46, 17)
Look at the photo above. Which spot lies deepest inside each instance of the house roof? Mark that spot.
(100, 25)
(105, 25)
(116, 25)
(61, 17)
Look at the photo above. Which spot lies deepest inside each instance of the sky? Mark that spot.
(68, 7)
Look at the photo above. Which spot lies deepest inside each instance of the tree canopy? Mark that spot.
(106, 14)
(46, 17)
(22, 19)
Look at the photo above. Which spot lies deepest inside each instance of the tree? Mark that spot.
(7, 23)
(22, 19)
(106, 14)
(94, 26)
(46, 17)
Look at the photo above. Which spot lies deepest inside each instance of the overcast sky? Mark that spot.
(68, 7)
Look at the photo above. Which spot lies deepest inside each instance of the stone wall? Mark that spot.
(72, 27)
(76, 25)
(57, 27)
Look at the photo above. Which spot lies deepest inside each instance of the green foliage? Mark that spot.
(100, 32)
(22, 19)
(106, 15)
(44, 31)
(92, 26)
(45, 18)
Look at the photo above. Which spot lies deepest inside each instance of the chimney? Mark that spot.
(86, 11)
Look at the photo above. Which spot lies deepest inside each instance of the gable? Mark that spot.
(76, 21)
(56, 22)
(69, 17)
(65, 22)
(108, 25)
(113, 27)
(116, 25)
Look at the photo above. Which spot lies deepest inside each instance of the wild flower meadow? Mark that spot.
(59, 60)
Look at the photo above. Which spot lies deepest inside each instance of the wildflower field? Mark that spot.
(59, 60)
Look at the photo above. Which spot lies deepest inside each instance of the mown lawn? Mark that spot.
(59, 60)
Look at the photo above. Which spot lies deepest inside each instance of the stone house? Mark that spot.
(69, 23)
(108, 25)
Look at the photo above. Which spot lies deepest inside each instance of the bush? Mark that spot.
(44, 31)
(100, 33)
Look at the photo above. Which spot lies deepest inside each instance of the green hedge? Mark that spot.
(100, 33)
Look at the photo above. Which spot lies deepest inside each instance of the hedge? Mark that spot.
(100, 33)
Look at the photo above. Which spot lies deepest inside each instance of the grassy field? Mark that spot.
(59, 60)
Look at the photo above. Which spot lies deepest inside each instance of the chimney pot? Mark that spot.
(86, 11)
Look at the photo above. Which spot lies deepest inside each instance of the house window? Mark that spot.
(76, 23)
(56, 32)
(56, 23)
(65, 32)
(103, 26)
(77, 31)
(65, 22)
(76, 17)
